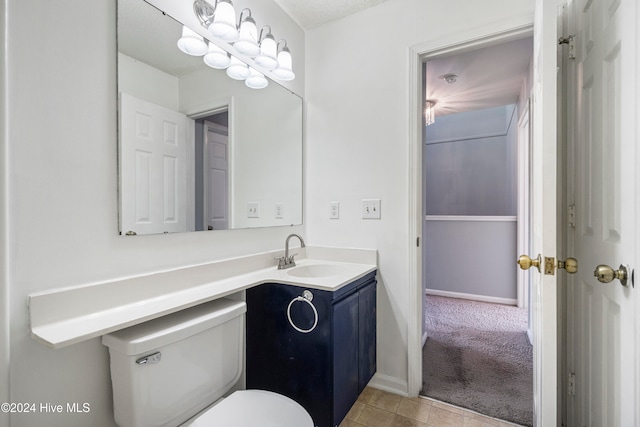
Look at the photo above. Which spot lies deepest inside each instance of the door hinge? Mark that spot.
(417, 241)
(571, 215)
(571, 384)
(569, 41)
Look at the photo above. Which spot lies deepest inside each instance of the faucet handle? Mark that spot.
(281, 262)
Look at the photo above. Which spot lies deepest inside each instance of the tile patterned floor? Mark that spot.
(377, 408)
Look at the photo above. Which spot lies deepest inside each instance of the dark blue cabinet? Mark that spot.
(324, 369)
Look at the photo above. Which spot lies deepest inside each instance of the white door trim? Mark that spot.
(462, 41)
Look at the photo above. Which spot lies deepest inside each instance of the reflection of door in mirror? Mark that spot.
(216, 169)
(153, 158)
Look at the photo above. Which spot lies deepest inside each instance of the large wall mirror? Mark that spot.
(198, 150)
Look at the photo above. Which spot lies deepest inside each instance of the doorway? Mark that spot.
(471, 180)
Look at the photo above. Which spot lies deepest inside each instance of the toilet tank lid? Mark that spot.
(173, 327)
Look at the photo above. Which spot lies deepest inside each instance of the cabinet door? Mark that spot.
(283, 360)
(367, 329)
(345, 356)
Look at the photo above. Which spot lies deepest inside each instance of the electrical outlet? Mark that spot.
(253, 210)
(371, 209)
(279, 209)
(334, 210)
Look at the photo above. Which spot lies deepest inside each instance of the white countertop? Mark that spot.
(66, 316)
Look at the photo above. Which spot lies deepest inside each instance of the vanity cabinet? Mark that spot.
(323, 365)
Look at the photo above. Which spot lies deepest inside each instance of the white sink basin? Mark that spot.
(314, 270)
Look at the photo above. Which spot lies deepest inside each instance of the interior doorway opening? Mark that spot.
(475, 176)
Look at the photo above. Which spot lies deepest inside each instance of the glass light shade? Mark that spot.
(267, 57)
(247, 44)
(284, 70)
(191, 42)
(224, 22)
(237, 70)
(217, 57)
(429, 112)
(256, 80)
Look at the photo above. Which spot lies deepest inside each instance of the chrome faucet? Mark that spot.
(287, 261)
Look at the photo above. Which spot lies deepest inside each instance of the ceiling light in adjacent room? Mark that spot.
(429, 112)
(450, 78)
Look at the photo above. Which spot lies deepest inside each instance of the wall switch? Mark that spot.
(334, 210)
(371, 208)
(253, 210)
(279, 209)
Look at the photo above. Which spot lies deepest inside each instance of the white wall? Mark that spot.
(62, 197)
(358, 139)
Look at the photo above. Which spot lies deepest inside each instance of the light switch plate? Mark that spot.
(371, 209)
(279, 209)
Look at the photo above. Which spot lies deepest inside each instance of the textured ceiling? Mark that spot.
(487, 77)
(313, 13)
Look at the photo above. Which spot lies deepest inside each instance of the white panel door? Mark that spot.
(153, 176)
(216, 186)
(604, 358)
(543, 212)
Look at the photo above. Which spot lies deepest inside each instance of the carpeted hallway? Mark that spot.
(478, 356)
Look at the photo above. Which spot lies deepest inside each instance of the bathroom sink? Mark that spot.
(314, 270)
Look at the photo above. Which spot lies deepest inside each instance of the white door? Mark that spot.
(216, 183)
(153, 176)
(603, 324)
(543, 212)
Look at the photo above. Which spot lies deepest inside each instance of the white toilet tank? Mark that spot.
(168, 369)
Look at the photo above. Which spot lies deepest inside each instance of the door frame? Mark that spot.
(500, 32)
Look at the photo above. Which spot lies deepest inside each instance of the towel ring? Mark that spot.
(306, 296)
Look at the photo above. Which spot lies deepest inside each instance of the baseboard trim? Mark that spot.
(473, 297)
(391, 384)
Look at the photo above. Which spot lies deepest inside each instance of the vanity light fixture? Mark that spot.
(429, 112)
(268, 50)
(237, 70)
(224, 22)
(216, 57)
(247, 44)
(243, 41)
(285, 70)
(256, 79)
(191, 42)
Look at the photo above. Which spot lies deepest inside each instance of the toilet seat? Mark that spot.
(254, 408)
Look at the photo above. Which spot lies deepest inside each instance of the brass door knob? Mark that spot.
(525, 262)
(606, 274)
(570, 265)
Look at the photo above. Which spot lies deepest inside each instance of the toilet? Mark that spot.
(176, 371)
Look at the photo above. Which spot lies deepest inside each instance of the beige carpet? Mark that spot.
(478, 356)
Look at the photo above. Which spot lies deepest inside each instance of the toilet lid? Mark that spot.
(248, 408)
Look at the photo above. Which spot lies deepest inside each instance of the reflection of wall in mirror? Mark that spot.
(266, 165)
